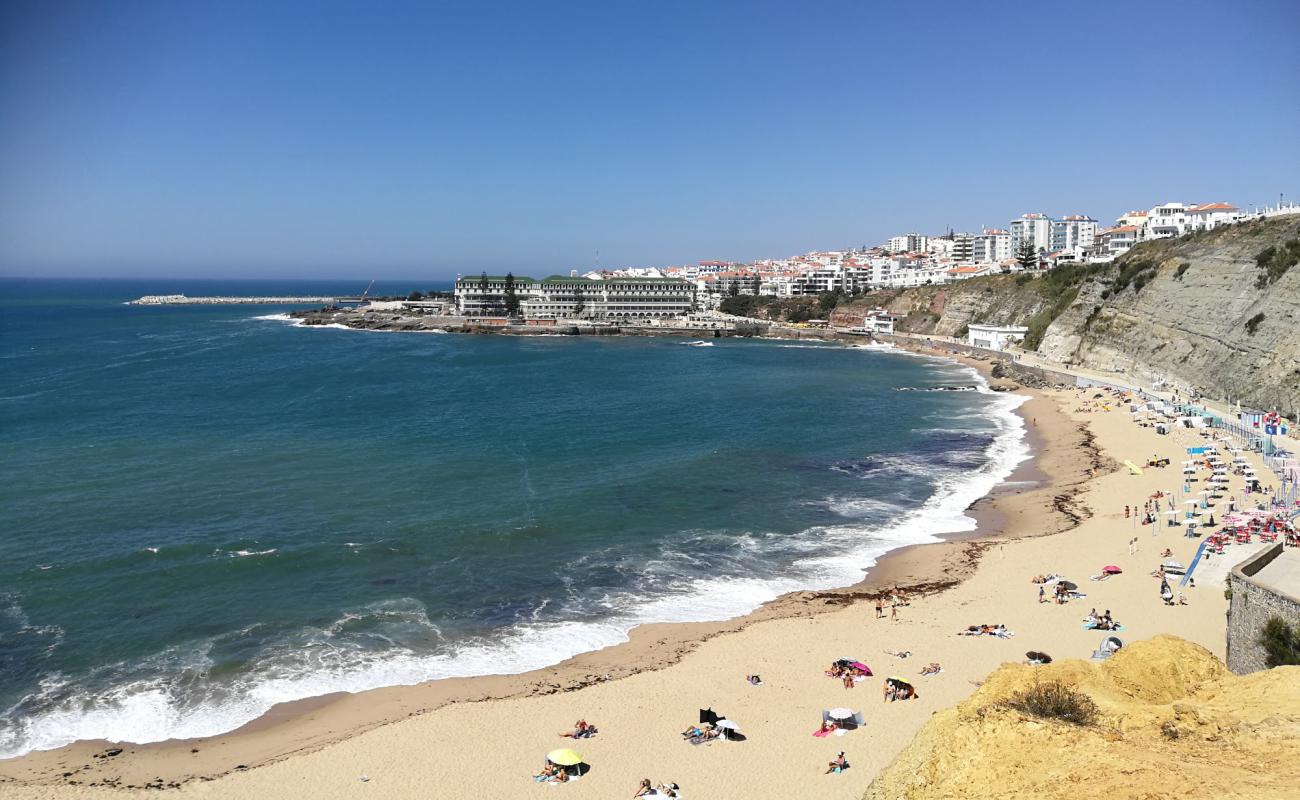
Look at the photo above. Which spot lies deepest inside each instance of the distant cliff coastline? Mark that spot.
(1217, 311)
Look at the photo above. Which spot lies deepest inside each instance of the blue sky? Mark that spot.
(358, 140)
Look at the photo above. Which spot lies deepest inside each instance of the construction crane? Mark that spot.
(367, 291)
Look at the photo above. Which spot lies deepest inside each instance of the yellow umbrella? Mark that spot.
(564, 757)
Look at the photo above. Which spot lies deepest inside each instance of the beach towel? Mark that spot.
(821, 734)
(1093, 626)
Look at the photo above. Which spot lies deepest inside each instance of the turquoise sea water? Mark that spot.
(208, 510)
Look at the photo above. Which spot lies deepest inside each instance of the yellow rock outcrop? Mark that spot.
(1173, 723)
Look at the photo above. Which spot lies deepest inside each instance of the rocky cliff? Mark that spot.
(1172, 723)
(1200, 312)
(1195, 311)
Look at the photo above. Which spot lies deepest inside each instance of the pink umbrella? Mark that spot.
(863, 667)
(1111, 569)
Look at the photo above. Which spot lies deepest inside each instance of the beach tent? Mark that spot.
(708, 717)
(1108, 647)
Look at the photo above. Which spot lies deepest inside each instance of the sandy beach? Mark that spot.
(486, 737)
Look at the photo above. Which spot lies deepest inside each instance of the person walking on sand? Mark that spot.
(1042, 594)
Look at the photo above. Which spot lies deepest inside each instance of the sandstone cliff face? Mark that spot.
(946, 310)
(1188, 323)
(1174, 723)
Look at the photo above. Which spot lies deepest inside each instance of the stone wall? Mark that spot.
(1250, 607)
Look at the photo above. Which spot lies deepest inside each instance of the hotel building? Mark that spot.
(559, 297)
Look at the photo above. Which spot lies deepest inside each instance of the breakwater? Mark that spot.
(183, 300)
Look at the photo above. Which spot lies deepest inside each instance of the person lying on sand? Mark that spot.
(932, 668)
(838, 765)
(1167, 553)
(899, 654)
(547, 773)
(669, 790)
(693, 732)
(848, 680)
(644, 789)
(998, 630)
(581, 730)
(754, 680)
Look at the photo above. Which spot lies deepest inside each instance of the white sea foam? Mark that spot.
(152, 710)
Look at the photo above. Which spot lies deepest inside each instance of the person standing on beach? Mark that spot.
(880, 608)
(1042, 594)
(893, 612)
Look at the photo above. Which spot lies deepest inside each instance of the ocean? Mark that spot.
(208, 510)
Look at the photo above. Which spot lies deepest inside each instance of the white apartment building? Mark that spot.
(1074, 233)
(1177, 219)
(908, 243)
(1212, 215)
(994, 337)
(830, 279)
(940, 247)
(993, 246)
(1114, 242)
(560, 297)
(963, 246)
(1170, 219)
(1033, 228)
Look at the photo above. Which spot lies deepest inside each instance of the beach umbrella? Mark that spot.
(1111, 569)
(565, 757)
(1192, 502)
(840, 713)
(726, 725)
(861, 666)
(1070, 586)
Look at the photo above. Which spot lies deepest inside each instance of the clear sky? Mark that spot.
(385, 139)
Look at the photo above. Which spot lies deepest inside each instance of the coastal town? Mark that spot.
(1033, 243)
(665, 401)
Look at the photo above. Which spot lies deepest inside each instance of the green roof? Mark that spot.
(517, 278)
(567, 279)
